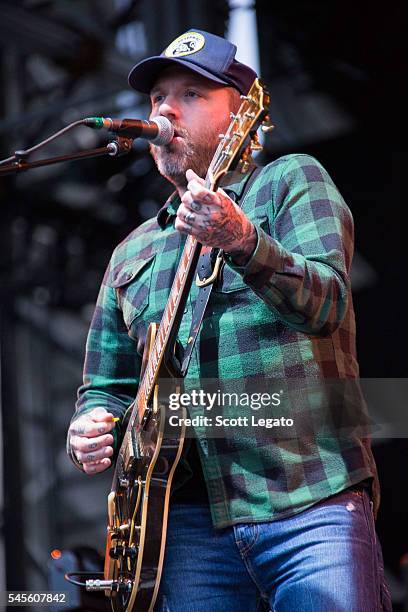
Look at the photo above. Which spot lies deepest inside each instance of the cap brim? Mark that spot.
(144, 75)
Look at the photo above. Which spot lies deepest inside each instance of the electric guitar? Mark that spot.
(138, 503)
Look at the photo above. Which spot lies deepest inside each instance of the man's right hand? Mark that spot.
(91, 440)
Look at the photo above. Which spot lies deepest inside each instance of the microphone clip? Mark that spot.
(120, 146)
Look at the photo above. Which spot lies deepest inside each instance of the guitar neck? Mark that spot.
(167, 333)
(166, 336)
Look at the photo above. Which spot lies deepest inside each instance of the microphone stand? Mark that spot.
(18, 161)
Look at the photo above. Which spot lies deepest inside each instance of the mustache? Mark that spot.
(188, 145)
(180, 131)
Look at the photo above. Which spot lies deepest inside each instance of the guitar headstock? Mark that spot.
(241, 132)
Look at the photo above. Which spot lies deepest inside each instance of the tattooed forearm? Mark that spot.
(235, 233)
(216, 221)
(242, 255)
(226, 232)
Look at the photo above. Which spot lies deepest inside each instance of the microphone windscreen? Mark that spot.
(165, 133)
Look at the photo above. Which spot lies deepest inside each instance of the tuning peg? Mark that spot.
(255, 144)
(267, 125)
(267, 128)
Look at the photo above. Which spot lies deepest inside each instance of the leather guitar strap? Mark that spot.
(205, 266)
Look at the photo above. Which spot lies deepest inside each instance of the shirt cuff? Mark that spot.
(267, 258)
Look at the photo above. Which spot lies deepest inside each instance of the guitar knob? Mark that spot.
(123, 551)
(131, 551)
(116, 552)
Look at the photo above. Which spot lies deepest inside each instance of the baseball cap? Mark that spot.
(207, 54)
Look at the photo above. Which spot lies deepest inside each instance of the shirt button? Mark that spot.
(185, 310)
(204, 446)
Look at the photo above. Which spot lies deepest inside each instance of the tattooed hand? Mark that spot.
(91, 441)
(215, 220)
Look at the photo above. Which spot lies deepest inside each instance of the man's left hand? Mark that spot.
(215, 220)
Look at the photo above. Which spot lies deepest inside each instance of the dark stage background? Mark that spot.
(334, 70)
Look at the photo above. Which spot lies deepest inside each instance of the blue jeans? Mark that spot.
(324, 559)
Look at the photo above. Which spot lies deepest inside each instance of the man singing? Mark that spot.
(287, 524)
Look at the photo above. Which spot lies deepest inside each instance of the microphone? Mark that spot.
(159, 130)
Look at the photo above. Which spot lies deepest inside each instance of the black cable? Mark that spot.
(24, 153)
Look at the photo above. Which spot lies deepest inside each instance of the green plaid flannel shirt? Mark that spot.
(287, 314)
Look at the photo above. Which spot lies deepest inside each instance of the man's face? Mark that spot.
(199, 111)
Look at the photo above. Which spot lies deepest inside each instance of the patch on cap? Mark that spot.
(186, 44)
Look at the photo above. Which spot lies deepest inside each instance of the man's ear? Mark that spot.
(234, 99)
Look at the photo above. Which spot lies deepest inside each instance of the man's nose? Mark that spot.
(169, 108)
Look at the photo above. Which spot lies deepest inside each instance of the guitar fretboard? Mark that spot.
(165, 328)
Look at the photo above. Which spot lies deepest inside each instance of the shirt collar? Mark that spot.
(168, 211)
(235, 181)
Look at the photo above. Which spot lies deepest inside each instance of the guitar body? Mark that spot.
(138, 507)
